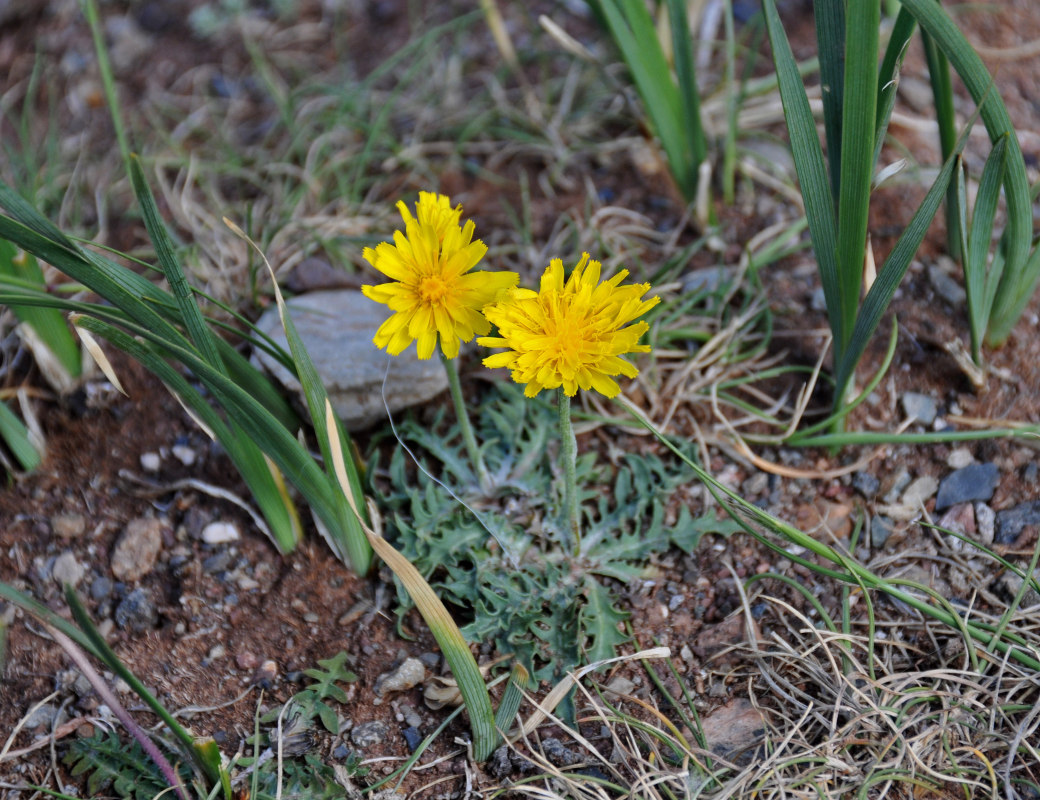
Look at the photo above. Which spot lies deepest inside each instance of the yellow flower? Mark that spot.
(570, 334)
(432, 292)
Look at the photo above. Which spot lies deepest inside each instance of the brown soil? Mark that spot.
(224, 610)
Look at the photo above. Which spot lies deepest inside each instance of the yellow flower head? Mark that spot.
(570, 334)
(432, 291)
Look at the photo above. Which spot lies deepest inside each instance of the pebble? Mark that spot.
(959, 519)
(734, 730)
(945, 286)
(67, 569)
(432, 661)
(218, 562)
(920, 407)
(368, 734)
(973, 482)
(136, 612)
(880, 529)
(620, 686)
(866, 484)
(1011, 521)
(216, 652)
(919, 491)
(413, 738)
(100, 588)
(411, 716)
(246, 660)
(68, 526)
(899, 482)
(985, 522)
(959, 458)
(219, 533)
(184, 454)
(1010, 584)
(138, 548)
(150, 462)
(42, 717)
(554, 750)
(409, 674)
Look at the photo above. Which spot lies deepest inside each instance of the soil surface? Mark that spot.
(202, 622)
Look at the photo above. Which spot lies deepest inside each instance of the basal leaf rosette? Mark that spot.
(432, 291)
(571, 334)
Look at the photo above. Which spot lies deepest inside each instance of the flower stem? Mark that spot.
(468, 439)
(569, 457)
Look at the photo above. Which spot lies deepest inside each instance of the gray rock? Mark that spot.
(337, 328)
(866, 484)
(945, 286)
(137, 549)
(967, 484)
(412, 737)
(67, 569)
(919, 406)
(136, 613)
(409, 674)
(368, 734)
(554, 750)
(100, 588)
(42, 717)
(68, 526)
(1011, 521)
(880, 529)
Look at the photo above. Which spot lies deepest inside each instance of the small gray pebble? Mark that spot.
(973, 482)
(558, 754)
(42, 717)
(68, 526)
(136, 613)
(945, 286)
(866, 484)
(368, 734)
(100, 588)
(413, 738)
(880, 530)
(1031, 472)
(1011, 521)
(919, 406)
(432, 661)
(218, 562)
(985, 522)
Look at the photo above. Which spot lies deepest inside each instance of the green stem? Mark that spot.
(468, 439)
(569, 457)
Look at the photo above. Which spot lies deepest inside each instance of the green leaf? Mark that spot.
(599, 622)
(15, 435)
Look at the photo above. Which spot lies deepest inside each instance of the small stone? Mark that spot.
(313, 274)
(430, 660)
(959, 519)
(818, 301)
(136, 612)
(1009, 584)
(100, 588)
(42, 717)
(899, 482)
(216, 652)
(554, 750)
(985, 522)
(67, 570)
(620, 686)
(368, 734)
(68, 526)
(218, 562)
(219, 533)
(246, 660)
(409, 674)
(866, 484)
(137, 549)
(973, 482)
(880, 529)
(411, 716)
(919, 491)
(919, 407)
(686, 654)
(959, 458)
(150, 462)
(184, 454)
(734, 731)
(756, 485)
(266, 674)
(413, 738)
(945, 286)
(1011, 521)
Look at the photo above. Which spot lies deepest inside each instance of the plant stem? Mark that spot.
(468, 439)
(569, 457)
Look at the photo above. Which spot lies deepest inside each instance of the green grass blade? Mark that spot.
(980, 281)
(348, 536)
(48, 324)
(1020, 273)
(890, 275)
(857, 165)
(689, 96)
(633, 32)
(456, 652)
(809, 164)
(829, 16)
(888, 75)
(942, 94)
(15, 436)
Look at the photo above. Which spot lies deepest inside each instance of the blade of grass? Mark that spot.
(456, 652)
(888, 75)
(15, 435)
(942, 94)
(831, 31)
